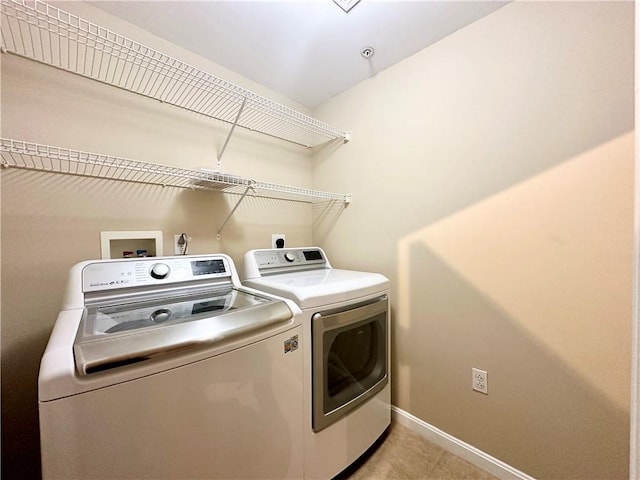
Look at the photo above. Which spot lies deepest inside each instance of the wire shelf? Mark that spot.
(35, 156)
(42, 32)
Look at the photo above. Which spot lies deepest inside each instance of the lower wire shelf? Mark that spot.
(35, 156)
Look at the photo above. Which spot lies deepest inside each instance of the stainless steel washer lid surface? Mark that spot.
(114, 335)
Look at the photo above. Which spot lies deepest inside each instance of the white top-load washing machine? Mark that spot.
(346, 351)
(168, 368)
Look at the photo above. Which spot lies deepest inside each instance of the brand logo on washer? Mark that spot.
(291, 344)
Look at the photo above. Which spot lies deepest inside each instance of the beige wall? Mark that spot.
(50, 222)
(492, 181)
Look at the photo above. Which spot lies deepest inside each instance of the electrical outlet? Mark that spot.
(277, 240)
(180, 243)
(479, 381)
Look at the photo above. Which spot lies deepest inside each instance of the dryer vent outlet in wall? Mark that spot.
(277, 240)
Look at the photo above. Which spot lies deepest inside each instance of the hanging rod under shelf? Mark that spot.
(35, 156)
(42, 32)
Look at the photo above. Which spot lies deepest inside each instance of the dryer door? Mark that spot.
(349, 359)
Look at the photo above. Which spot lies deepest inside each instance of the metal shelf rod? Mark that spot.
(233, 127)
(233, 210)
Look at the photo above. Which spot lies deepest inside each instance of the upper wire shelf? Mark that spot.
(42, 32)
(35, 156)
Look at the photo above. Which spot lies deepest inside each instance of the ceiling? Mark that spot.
(308, 50)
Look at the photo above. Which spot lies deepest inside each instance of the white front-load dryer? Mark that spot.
(347, 399)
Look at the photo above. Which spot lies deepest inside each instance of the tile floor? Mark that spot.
(404, 455)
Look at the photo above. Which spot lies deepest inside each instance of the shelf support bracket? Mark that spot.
(233, 127)
(251, 186)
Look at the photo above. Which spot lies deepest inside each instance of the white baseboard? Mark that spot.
(456, 446)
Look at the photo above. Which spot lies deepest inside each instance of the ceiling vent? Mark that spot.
(346, 5)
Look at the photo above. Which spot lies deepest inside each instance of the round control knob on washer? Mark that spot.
(159, 270)
(289, 257)
(161, 315)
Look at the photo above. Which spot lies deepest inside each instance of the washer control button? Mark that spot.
(159, 270)
(289, 257)
(160, 316)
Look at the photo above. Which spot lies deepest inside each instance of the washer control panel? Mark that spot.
(114, 274)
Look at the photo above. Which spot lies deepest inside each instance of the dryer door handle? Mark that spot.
(354, 313)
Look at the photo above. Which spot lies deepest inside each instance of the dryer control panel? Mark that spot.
(280, 257)
(263, 262)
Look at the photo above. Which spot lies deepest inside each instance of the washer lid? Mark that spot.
(314, 288)
(110, 336)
